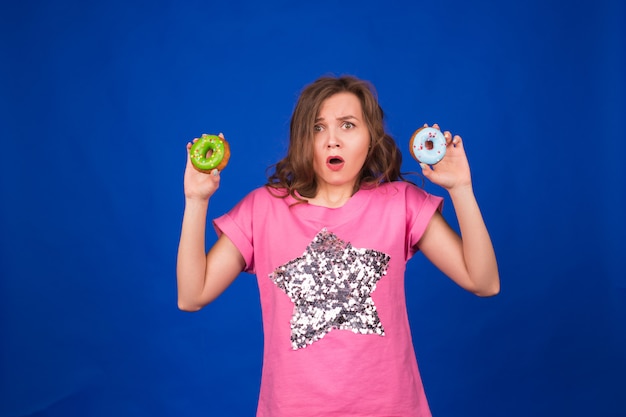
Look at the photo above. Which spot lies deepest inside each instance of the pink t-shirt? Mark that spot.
(337, 339)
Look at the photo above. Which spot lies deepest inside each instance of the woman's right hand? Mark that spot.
(200, 185)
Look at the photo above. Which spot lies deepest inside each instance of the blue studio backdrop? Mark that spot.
(99, 98)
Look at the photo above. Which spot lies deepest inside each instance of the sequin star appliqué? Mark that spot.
(330, 286)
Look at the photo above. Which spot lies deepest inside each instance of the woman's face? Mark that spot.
(341, 143)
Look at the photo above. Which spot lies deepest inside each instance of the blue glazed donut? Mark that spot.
(428, 145)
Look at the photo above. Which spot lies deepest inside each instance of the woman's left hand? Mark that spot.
(453, 170)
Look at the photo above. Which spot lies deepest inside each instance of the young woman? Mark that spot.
(328, 238)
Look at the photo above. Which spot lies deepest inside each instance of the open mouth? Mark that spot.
(334, 162)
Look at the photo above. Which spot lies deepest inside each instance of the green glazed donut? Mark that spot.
(209, 152)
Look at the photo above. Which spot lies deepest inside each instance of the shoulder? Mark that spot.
(264, 196)
(251, 207)
(406, 195)
(400, 190)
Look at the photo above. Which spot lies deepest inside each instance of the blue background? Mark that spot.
(98, 100)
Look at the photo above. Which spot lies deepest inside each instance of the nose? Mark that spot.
(333, 141)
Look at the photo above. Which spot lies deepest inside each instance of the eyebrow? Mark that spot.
(348, 117)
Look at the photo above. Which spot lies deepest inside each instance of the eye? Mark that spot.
(347, 125)
(318, 128)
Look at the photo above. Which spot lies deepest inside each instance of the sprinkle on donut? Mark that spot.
(210, 152)
(428, 145)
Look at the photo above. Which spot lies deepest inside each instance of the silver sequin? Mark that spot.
(330, 286)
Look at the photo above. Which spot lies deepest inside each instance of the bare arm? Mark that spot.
(469, 259)
(201, 276)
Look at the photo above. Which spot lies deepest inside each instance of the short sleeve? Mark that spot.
(237, 225)
(420, 208)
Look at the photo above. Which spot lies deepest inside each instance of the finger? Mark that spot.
(448, 137)
(427, 170)
(215, 173)
(221, 135)
(436, 126)
(456, 141)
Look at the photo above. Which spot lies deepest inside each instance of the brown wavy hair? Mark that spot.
(294, 173)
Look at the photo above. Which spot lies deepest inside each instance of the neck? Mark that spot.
(332, 197)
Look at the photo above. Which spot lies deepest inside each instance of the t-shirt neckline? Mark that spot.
(338, 214)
